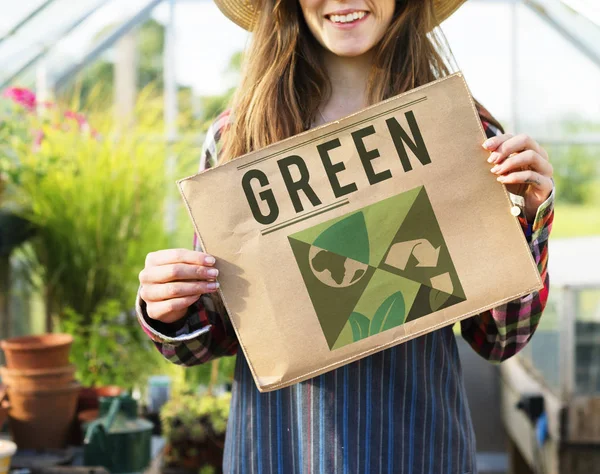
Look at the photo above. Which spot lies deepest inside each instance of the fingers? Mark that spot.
(527, 177)
(505, 145)
(177, 272)
(171, 256)
(169, 311)
(168, 291)
(528, 159)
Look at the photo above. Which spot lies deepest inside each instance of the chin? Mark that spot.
(350, 51)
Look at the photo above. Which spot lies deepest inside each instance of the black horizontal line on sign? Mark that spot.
(295, 220)
(320, 137)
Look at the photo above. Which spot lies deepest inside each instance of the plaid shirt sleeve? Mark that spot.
(501, 332)
(204, 333)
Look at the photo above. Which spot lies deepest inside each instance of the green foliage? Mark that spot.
(97, 79)
(184, 415)
(97, 200)
(194, 428)
(576, 220)
(110, 349)
(576, 172)
(201, 374)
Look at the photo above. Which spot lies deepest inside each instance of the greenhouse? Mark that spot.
(105, 104)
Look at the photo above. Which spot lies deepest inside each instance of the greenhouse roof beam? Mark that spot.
(62, 79)
(26, 20)
(48, 45)
(575, 27)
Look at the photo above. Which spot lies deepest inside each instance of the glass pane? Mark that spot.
(542, 353)
(76, 44)
(587, 342)
(548, 89)
(40, 34)
(18, 11)
(555, 100)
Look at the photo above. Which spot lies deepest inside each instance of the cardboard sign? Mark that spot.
(360, 234)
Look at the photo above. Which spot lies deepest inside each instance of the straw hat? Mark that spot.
(243, 13)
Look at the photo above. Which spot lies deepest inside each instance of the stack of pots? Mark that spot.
(42, 390)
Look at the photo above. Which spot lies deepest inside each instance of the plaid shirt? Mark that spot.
(420, 380)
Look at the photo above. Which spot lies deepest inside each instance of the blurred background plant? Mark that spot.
(194, 429)
(94, 201)
(85, 191)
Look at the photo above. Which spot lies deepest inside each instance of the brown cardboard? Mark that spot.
(325, 270)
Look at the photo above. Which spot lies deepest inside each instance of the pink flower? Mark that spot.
(79, 118)
(21, 96)
(38, 138)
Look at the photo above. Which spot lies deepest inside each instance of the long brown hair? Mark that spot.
(284, 80)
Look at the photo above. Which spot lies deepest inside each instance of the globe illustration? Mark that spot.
(335, 270)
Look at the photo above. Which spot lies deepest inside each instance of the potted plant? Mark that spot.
(96, 199)
(194, 428)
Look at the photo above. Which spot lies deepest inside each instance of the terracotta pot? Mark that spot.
(37, 352)
(42, 418)
(38, 378)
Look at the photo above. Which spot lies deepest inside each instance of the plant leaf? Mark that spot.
(391, 313)
(437, 299)
(360, 326)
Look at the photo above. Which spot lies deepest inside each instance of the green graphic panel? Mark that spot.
(419, 252)
(381, 287)
(384, 219)
(347, 237)
(429, 300)
(376, 268)
(385, 304)
(332, 299)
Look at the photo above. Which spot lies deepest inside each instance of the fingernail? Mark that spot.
(209, 260)
(490, 159)
(213, 286)
(488, 144)
(213, 272)
(495, 168)
(500, 178)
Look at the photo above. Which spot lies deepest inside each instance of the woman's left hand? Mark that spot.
(524, 167)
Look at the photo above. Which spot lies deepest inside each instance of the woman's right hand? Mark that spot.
(172, 280)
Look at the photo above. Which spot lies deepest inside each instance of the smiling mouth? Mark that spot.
(347, 18)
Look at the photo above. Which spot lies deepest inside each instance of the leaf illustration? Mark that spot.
(391, 313)
(437, 299)
(360, 326)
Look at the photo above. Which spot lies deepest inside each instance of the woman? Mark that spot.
(403, 410)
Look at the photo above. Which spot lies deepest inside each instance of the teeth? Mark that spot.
(350, 17)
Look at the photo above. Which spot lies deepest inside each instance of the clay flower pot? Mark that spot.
(37, 352)
(42, 418)
(26, 379)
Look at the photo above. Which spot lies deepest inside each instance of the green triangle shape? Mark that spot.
(384, 218)
(429, 300)
(382, 286)
(381, 221)
(333, 298)
(421, 228)
(310, 234)
(347, 237)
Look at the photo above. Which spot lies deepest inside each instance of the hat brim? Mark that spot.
(243, 13)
